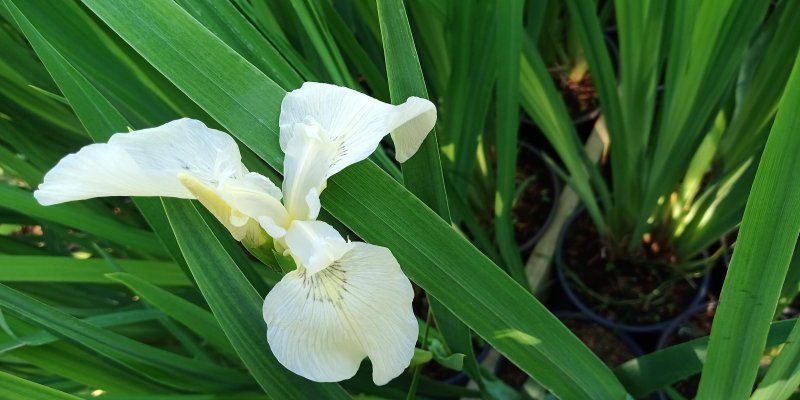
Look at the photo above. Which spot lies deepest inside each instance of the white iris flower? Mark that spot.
(345, 300)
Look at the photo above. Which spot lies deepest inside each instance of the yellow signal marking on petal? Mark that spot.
(250, 232)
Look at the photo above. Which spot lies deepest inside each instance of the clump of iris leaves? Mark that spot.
(151, 298)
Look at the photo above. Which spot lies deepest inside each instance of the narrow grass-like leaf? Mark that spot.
(708, 41)
(767, 238)
(368, 201)
(67, 269)
(650, 372)
(104, 321)
(750, 123)
(422, 173)
(357, 55)
(192, 316)
(508, 40)
(171, 368)
(78, 217)
(100, 118)
(783, 376)
(540, 99)
(469, 91)
(587, 26)
(15, 388)
(78, 364)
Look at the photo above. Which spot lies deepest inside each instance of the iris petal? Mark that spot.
(143, 163)
(322, 326)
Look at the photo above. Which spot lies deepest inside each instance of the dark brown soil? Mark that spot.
(644, 292)
(608, 346)
(580, 96)
(698, 325)
(535, 203)
(604, 343)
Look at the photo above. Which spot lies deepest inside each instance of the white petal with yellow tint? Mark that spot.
(315, 245)
(255, 196)
(143, 163)
(242, 227)
(356, 122)
(321, 326)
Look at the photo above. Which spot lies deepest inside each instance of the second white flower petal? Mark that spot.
(143, 163)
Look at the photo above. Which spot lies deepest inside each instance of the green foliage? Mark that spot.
(151, 298)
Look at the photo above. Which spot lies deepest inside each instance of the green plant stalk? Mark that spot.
(509, 47)
(767, 238)
(640, 31)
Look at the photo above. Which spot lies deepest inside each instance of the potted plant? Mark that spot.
(686, 129)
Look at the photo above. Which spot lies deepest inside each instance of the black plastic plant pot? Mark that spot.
(528, 150)
(682, 332)
(700, 291)
(627, 341)
(675, 326)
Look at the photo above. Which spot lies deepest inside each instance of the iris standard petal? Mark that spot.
(309, 155)
(321, 326)
(355, 121)
(143, 163)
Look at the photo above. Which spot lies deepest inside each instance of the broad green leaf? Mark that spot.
(368, 201)
(15, 388)
(222, 18)
(67, 269)
(764, 247)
